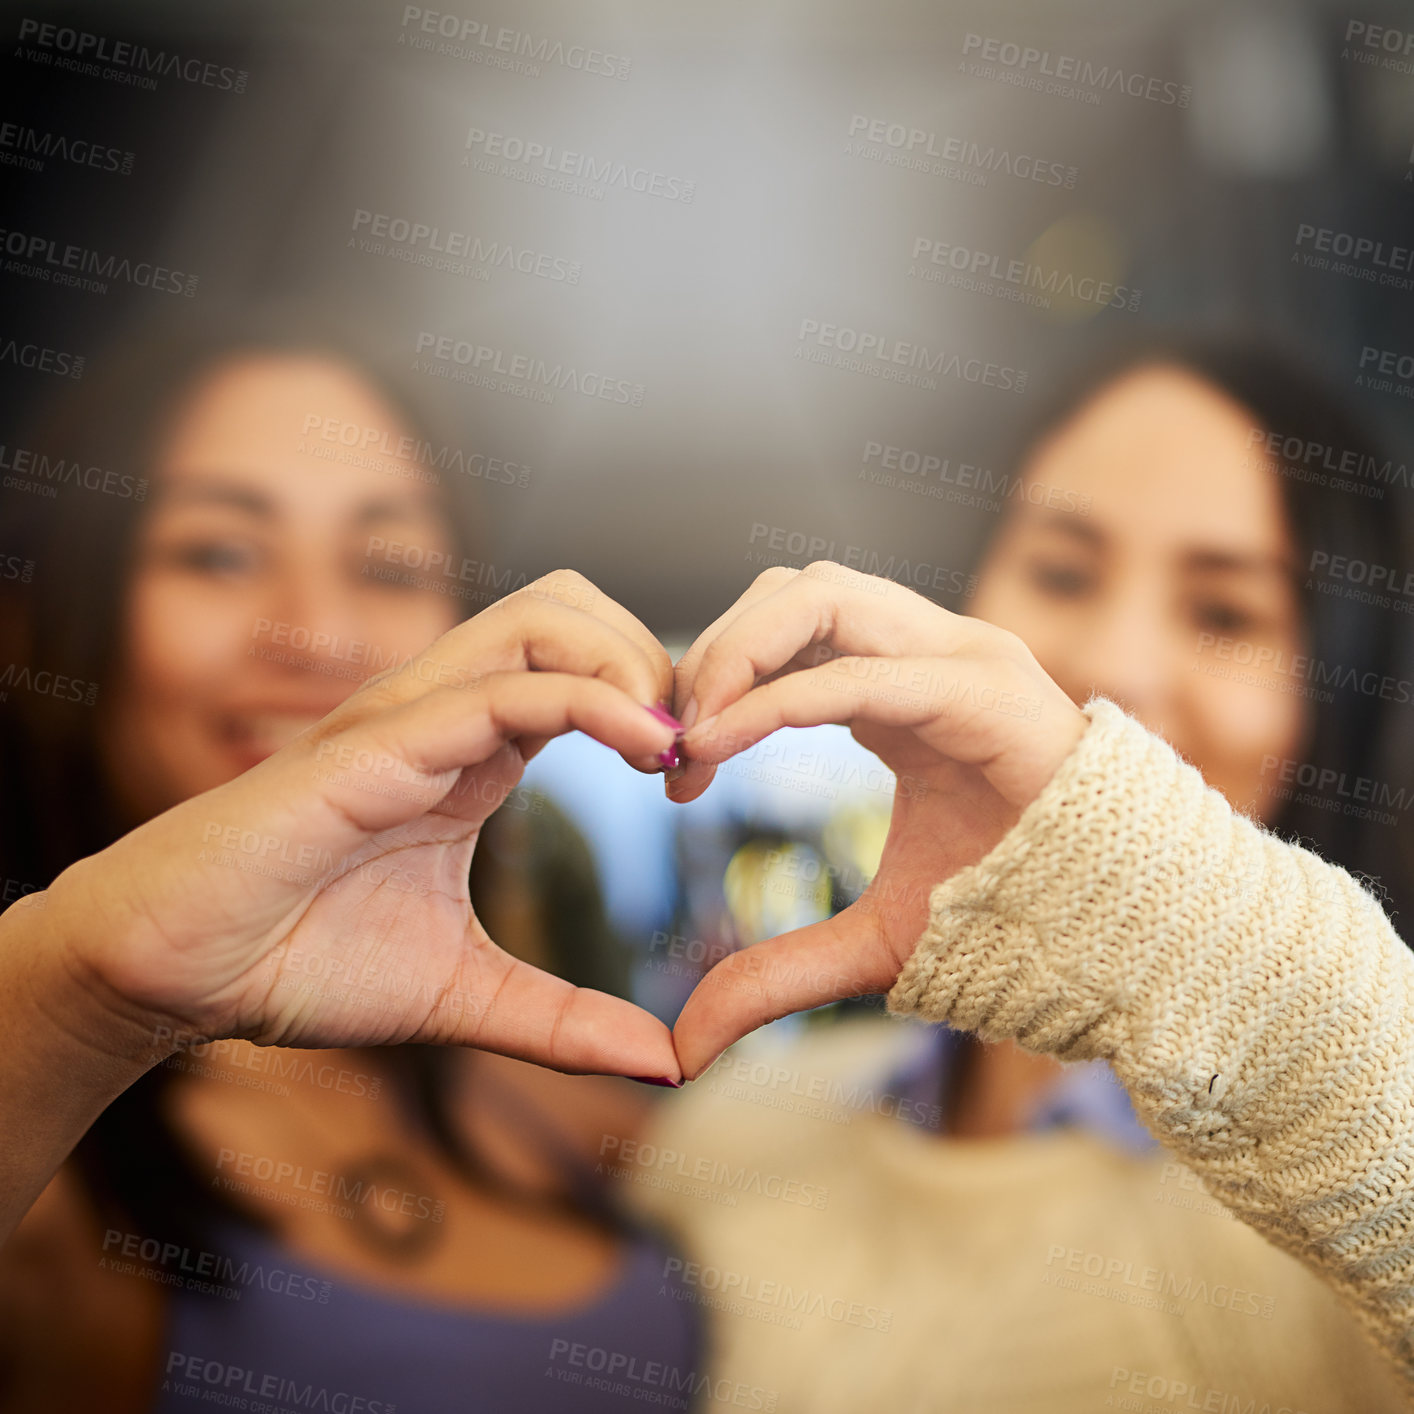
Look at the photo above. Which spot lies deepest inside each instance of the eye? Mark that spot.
(1222, 617)
(223, 558)
(1059, 580)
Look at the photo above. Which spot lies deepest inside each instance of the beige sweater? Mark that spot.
(1256, 1004)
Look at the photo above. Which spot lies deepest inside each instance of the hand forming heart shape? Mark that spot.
(320, 899)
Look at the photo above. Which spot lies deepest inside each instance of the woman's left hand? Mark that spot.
(958, 709)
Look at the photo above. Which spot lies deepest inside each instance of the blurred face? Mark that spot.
(252, 608)
(1180, 557)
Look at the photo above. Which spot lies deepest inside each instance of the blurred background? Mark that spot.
(728, 286)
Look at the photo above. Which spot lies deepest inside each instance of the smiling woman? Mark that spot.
(1165, 560)
(1040, 1247)
(254, 603)
(1193, 588)
(226, 610)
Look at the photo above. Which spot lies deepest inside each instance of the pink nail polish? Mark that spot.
(666, 717)
(669, 760)
(657, 1080)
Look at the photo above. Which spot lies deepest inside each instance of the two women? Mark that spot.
(1019, 895)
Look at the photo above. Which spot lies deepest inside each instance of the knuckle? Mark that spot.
(563, 586)
(568, 581)
(714, 654)
(565, 576)
(1011, 646)
(832, 572)
(774, 577)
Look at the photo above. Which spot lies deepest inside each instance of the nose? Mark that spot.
(315, 621)
(1123, 650)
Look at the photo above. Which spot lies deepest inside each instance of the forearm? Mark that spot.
(1254, 1000)
(66, 1051)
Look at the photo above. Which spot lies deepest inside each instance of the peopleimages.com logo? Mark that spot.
(100, 56)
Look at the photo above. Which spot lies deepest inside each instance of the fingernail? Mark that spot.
(666, 717)
(657, 1080)
(674, 773)
(704, 1069)
(670, 760)
(689, 715)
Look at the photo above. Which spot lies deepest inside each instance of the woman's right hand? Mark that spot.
(959, 710)
(320, 899)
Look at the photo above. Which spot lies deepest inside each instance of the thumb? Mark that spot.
(843, 956)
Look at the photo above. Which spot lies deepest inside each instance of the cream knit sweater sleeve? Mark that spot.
(1253, 999)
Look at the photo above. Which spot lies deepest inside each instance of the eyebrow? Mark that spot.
(1234, 562)
(220, 493)
(243, 498)
(1201, 561)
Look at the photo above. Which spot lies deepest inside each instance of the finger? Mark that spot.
(894, 692)
(685, 672)
(532, 746)
(593, 600)
(832, 611)
(573, 590)
(540, 633)
(992, 712)
(537, 1017)
(843, 956)
(398, 764)
(689, 780)
(611, 612)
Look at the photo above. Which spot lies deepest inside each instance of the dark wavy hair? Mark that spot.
(134, 1162)
(1361, 735)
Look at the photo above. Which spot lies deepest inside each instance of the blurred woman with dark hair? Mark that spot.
(1043, 1252)
(1201, 549)
(209, 570)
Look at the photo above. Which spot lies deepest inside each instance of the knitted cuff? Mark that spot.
(1058, 932)
(1253, 999)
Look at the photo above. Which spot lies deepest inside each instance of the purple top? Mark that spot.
(283, 1341)
(318, 1341)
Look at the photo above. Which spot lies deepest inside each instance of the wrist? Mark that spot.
(1022, 945)
(61, 1003)
(66, 1051)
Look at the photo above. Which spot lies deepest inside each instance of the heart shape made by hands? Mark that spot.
(321, 898)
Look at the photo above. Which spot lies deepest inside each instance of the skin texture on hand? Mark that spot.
(321, 898)
(959, 710)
